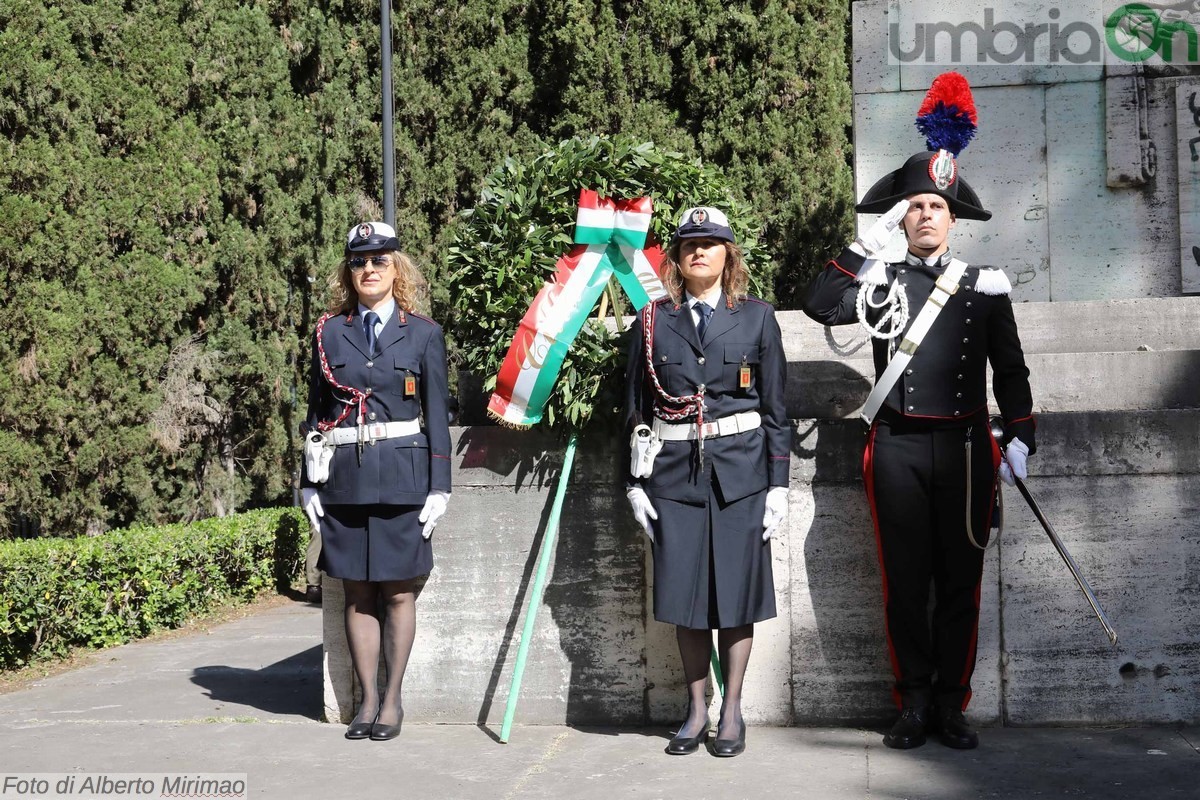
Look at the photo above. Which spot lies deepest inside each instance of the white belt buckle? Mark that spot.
(377, 430)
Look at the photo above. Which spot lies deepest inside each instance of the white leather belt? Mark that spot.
(725, 426)
(374, 432)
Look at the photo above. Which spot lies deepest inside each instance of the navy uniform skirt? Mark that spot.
(374, 543)
(711, 567)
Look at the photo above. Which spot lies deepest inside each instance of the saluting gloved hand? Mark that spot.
(777, 511)
(643, 509)
(878, 235)
(1014, 462)
(312, 506)
(435, 507)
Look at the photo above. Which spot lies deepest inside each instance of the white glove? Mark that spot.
(435, 507)
(643, 509)
(777, 511)
(312, 506)
(879, 234)
(1014, 462)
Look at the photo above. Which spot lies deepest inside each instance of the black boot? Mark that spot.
(955, 731)
(908, 731)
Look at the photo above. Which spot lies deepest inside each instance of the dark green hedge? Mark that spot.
(97, 591)
(177, 176)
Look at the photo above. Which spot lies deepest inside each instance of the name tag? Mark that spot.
(410, 385)
(744, 376)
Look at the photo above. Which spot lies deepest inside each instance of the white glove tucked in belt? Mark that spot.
(776, 513)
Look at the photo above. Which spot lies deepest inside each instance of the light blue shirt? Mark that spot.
(385, 313)
(691, 304)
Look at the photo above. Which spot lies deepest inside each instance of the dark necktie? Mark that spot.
(705, 314)
(369, 320)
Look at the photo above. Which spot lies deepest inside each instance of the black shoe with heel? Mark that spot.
(728, 748)
(684, 745)
(382, 733)
(361, 730)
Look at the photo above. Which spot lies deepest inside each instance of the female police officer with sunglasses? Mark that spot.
(377, 458)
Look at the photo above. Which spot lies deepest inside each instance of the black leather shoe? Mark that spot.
(955, 731)
(728, 748)
(313, 595)
(908, 731)
(360, 730)
(684, 745)
(382, 733)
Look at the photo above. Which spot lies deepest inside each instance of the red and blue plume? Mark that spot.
(947, 118)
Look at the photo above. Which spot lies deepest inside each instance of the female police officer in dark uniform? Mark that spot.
(705, 379)
(377, 458)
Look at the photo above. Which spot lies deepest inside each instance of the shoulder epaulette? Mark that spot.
(992, 281)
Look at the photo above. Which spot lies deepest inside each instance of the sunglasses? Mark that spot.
(358, 263)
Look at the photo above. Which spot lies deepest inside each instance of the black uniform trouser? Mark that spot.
(916, 479)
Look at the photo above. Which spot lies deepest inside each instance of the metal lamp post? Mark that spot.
(389, 147)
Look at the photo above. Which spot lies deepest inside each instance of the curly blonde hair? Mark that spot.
(735, 280)
(408, 287)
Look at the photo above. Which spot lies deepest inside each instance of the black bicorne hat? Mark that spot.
(947, 119)
(925, 173)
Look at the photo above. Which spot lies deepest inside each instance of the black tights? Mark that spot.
(733, 648)
(364, 633)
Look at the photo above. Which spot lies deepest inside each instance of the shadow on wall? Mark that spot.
(840, 657)
(594, 590)
(597, 597)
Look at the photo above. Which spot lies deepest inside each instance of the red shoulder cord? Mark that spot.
(670, 407)
(357, 397)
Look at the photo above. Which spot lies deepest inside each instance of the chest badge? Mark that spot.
(744, 375)
(410, 385)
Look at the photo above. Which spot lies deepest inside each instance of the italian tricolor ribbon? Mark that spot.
(610, 239)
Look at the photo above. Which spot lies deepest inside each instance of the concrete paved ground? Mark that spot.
(245, 696)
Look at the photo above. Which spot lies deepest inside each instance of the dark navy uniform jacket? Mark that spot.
(742, 463)
(945, 381)
(398, 471)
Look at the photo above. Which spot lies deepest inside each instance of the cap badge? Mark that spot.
(942, 170)
(699, 216)
(365, 230)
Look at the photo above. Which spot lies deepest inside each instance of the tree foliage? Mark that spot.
(177, 177)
